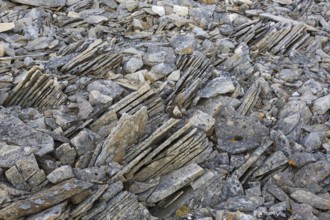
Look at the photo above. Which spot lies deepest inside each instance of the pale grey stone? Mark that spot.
(133, 64)
(60, 174)
(217, 86)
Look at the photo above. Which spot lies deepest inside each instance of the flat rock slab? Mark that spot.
(14, 131)
(311, 199)
(48, 3)
(174, 181)
(9, 154)
(44, 199)
(6, 26)
(238, 134)
(217, 86)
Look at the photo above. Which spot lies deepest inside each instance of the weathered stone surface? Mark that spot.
(303, 211)
(183, 44)
(217, 86)
(6, 26)
(44, 199)
(300, 159)
(133, 64)
(320, 170)
(50, 3)
(158, 10)
(66, 154)
(131, 93)
(51, 213)
(126, 133)
(284, 2)
(311, 199)
(253, 158)
(14, 131)
(172, 182)
(274, 161)
(321, 105)
(203, 121)
(84, 141)
(60, 174)
(106, 87)
(237, 134)
(243, 204)
(180, 10)
(9, 154)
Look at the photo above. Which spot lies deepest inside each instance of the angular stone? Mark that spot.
(95, 97)
(200, 33)
(313, 141)
(6, 27)
(180, 10)
(133, 64)
(88, 203)
(38, 179)
(289, 75)
(242, 204)
(85, 141)
(51, 213)
(2, 50)
(252, 159)
(278, 193)
(202, 180)
(66, 154)
(27, 166)
(311, 199)
(41, 43)
(106, 87)
(321, 105)
(183, 44)
(174, 76)
(126, 133)
(44, 199)
(203, 121)
(95, 19)
(9, 154)
(300, 159)
(16, 179)
(274, 161)
(303, 211)
(4, 197)
(320, 170)
(85, 108)
(158, 10)
(217, 86)
(237, 134)
(283, 2)
(50, 3)
(174, 181)
(60, 174)
(14, 131)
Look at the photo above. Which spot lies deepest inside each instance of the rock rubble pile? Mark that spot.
(179, 109)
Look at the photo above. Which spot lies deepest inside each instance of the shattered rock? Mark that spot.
(164, 109)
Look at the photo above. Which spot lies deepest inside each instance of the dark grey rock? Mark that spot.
(15, 132)
(237, 134)
(300, 159)
(311, 199)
